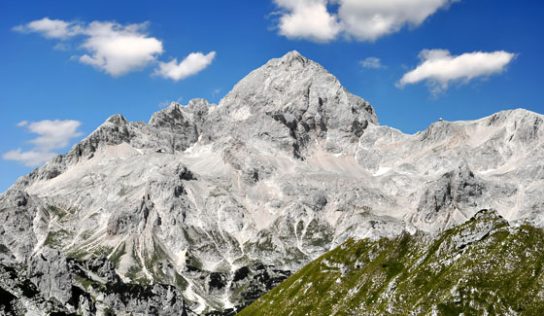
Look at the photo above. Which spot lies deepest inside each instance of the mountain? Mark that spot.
(217, 204)
(482, 267)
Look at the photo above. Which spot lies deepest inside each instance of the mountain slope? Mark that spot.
(482, 267)
(224, 201)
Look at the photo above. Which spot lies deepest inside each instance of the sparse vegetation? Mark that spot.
(78, 254)
(56, 211)
(152, 262)
(119, 252)
(56, 239)
(86, 283)
(180, 281)
(102, 251)
(133, 272)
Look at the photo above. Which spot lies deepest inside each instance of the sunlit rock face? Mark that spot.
(216, 204)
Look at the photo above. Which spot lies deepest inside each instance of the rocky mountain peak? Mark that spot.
(117, 119)
(196, 109)
(168, 117)
(198, 102)
(292, 101)
(293, 60)
(513, 114)
(292, 82)
(294, 54)
(521, 125)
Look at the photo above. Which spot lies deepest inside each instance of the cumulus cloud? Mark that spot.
(118, 49)
(51, 135)
(307, 19)
(190, 65)
(368, 20)
(111, 47)
(371, 63)
(439, 68)
(364, 20)
(49, 28)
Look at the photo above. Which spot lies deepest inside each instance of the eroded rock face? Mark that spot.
(456, 190)
(18, 213)
(58, 282)
(221, 202)
(52, 284)
(293, 102)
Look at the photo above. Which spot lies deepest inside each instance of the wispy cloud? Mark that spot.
(362, 20)
(51, 136)
(216, 93)
(56, 29)
(439, 68)
(371, 63)
(189, 66)
(112, 47)
(30, 158)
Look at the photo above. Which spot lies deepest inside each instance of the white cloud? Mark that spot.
(371, 63)
(115, 48)
(52, 135)
(307, 19)
(29, 158)
(438, 67)
(364, 20)
(118, 49)
(49, 28)
(22, 123)
(191, 65)
(368, 20)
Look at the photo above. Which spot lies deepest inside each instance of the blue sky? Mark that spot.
(44, 79)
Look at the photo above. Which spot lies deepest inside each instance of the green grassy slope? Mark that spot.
(481, 267)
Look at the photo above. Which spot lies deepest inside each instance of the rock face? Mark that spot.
(292, 102)
(57, 285)
(222, 202)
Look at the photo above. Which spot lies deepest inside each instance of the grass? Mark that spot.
(460, 271)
